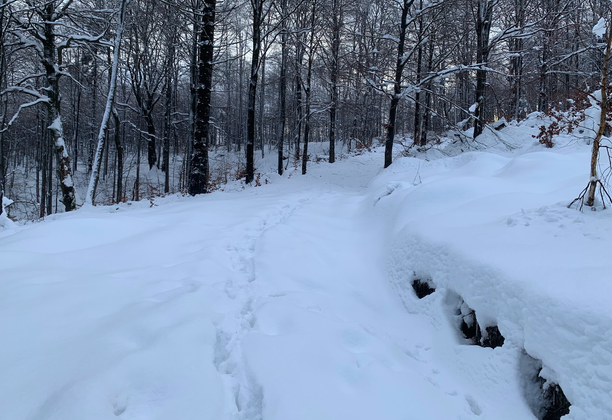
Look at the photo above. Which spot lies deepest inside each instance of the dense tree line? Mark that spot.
(227, 80)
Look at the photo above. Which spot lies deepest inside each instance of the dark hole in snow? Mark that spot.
(493, 339)
(470, 328)
(500, 124)
(556, 404)
(545, 398)
(422, 288)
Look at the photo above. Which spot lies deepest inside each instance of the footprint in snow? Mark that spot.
(474, 406)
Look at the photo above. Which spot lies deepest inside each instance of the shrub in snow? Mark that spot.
(563, 121)
(4, 220)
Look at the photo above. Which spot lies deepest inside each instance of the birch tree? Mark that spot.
(35, 25)
(108, 110)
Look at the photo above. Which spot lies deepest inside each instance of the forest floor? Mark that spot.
(293, 300)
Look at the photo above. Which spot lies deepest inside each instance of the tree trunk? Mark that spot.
(3, 106)
(44, 163)
(483, 28)
(255, 57)
(136, 193)
(282, 90)
(110, 100)
(119, 149)
(198, 176)
(299, 56)
(169, 108)
(397, 88)
(52, 61)
(262, 100)
(516, 69)
(335, 70)
(77, 123)
(417, 96)
(594, 180)
(151, 137)
(428, 94)
(307, 89)
(240, 122)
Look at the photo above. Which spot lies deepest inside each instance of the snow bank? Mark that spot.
(496, 231)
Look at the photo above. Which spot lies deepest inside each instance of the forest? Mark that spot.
(112, 101)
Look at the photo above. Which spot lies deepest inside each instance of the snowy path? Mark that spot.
(272, 303)
(332, 339)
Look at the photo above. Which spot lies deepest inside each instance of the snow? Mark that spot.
(599, 29)
(5, 222)
(293, 300)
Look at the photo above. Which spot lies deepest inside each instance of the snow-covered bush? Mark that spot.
(564, 121)
(4, 220)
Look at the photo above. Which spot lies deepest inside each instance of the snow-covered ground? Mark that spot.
(293, 300)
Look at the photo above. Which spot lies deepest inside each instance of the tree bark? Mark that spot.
(52, 61)
(594, 180)
(483, 28)
(282, 90)
(307, 90)
(299, 57)
(3, 105)
(262, 108)
(110, 100)
(257, 8)
(516, 69)
(170, 74)
(199, 173)
(119, 150)
(335, 70)
(419, 67)
(397, 84)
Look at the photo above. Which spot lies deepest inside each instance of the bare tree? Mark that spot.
(199, 170)
(146, 69)
(257, 9)
(308, 84)
(3, 103)
(336, 26)
(282, 91)
(402, 59)
(36, 28)
(587, 196)
(484, 19)
(110, 100)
